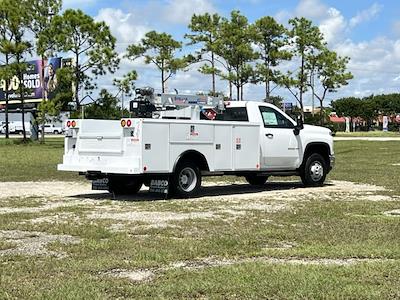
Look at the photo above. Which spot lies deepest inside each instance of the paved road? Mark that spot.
(364, 138)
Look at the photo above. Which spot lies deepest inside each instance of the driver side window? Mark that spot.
(274, 119)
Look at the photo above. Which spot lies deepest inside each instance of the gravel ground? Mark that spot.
(219, 200)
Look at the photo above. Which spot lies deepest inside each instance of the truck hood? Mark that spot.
(316, 129)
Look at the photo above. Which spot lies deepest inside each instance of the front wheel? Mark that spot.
(314, 171)
(186, 181)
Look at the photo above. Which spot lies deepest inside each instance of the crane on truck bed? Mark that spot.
(174, 106)
(171, 141)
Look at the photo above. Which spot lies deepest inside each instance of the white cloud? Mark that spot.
(373, 64)
(396, 28)
(124, 26)
(334, 26)
(311, 9)
(366, 15)
(180, 12)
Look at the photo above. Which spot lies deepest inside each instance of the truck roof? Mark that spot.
(236, 103)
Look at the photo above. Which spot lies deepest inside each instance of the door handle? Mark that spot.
(270, 135)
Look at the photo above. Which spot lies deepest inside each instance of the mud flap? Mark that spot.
(101, 184)
(159, 185)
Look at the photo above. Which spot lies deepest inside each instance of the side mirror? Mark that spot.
(299, 126)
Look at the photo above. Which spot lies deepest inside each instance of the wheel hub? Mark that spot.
(187, 179)
(316, 171)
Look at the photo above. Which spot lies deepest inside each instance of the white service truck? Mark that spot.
(173, 149)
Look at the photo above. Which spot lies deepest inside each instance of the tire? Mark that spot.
(124, 185)
(186, 180)
(314, 171)
(256, 180)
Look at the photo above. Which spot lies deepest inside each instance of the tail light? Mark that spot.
(73, 124)
(68, 124)
(129, 123)
(123, 123)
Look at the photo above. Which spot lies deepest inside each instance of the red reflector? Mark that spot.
(73, 123)
(145, 168)
(129, 123)
(69, 124)
(123, 123)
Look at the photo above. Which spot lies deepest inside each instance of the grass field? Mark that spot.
(368, 134)
(33, 161)
(284, 242)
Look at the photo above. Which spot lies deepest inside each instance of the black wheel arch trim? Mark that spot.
(204, 163)
(315, 144)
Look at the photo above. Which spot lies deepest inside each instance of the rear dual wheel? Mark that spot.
(186, 180)
(120, 185)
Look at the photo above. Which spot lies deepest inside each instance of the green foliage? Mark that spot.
(205, 31)
(235, 47)
(306, 40)
(106, 107)
(126, 84)
(269, 36)
(347, 107)
(91, 44)
(368, 108)
(331, 72)
(276, 100)
(159, 49)
(43, 11)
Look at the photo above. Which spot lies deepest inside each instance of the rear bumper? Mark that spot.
(101, 169)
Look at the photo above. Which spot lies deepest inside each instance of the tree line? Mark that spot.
(367, 108)
(232, 49)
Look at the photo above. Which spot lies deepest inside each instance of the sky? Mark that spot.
(367, 31)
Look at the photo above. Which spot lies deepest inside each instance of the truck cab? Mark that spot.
(283, 142)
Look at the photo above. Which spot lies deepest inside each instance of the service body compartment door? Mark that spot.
(190, 136)
(155, 147)
(223, 160)
(246, 149)
(100, 137)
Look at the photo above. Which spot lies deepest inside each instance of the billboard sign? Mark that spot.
(38, 86)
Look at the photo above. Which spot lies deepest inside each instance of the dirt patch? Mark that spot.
(375, 198)
(34, 243)
(392, 213)
(155, 219)
(134, 276)
(143, 275)
(292, 191)
(49, 205)
(43, 189)
(62, 189)
(60, 218)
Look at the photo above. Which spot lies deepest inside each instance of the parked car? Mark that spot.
(51, 128)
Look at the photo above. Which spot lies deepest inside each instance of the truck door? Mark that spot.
(279, 145)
